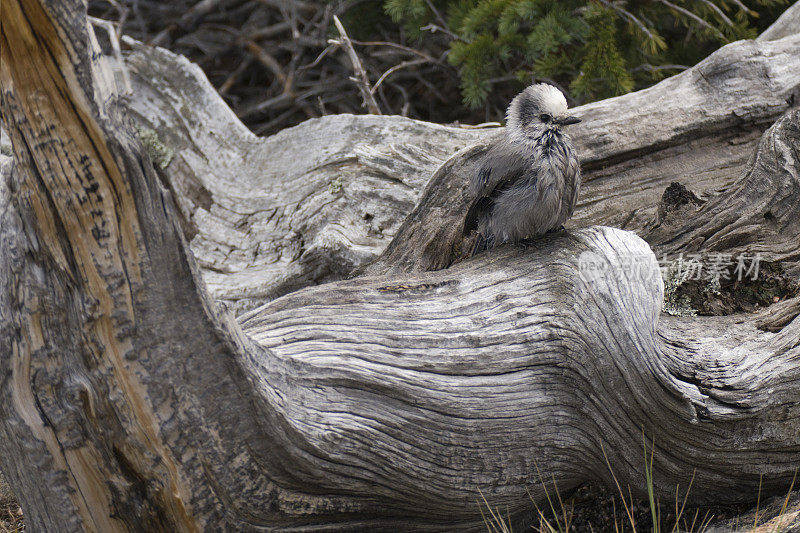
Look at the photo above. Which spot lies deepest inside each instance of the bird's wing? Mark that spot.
(572, 179)
(502, 166)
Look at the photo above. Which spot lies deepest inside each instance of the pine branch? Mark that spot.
(694, 17)
(719, 12)
(628, 15)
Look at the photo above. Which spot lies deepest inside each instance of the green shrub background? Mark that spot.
(590, 49)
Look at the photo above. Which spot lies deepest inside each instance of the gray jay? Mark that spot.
(528, 181)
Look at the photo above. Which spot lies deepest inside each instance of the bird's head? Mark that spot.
(536, 110)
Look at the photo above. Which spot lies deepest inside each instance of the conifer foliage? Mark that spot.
(592, 49)
(274, 62)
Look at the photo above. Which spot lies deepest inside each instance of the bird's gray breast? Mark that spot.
(534, 204)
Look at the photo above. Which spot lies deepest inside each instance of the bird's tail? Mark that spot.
(482, 243)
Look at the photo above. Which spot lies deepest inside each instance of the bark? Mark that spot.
(131, 401)
(787, 24)
(698, 128)
(266, 216)
(270, 215)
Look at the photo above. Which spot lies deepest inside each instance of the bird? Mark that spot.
(527, 183)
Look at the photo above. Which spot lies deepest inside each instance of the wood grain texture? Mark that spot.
(313, 203)
(534, 358)
(758, 214)
(93, 261)
(266, 216)
(787, 24)
(392, 402)
(699, 128)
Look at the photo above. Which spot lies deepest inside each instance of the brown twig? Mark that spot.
(235, 75)
(439, 17)
(272, 56)
(398, 47)
(269, 31)
(361, 75)
(266, 59)
(654, 68)
(397, 67)
(308, 7)
(433, 28)
(319, 58)
(198, 11)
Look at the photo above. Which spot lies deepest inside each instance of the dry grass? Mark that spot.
(578, 513)
(590, 510)
(10, 512)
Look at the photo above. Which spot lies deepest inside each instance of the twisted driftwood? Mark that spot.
(131, 401)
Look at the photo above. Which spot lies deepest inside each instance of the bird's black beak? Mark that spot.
(566, 121)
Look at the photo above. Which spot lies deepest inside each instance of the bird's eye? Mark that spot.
(545, 117)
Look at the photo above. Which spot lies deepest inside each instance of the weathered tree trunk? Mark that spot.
(266, 216)
(130, 401)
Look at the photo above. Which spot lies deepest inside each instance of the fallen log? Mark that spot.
(313, 203)
(130, 400)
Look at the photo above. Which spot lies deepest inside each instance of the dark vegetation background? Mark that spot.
(435, 60)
